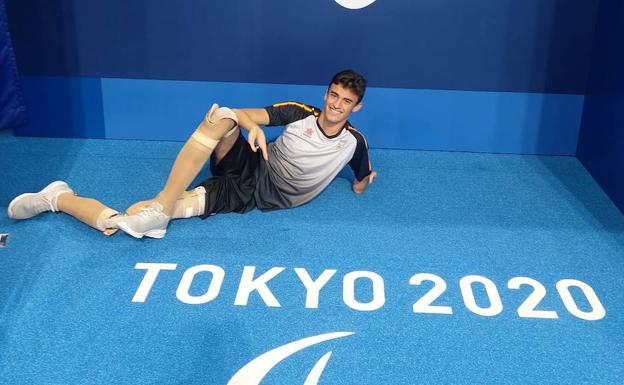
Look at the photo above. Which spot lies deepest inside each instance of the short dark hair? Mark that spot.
(352, 81)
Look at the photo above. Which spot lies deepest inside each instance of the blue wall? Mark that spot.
(601, 142)
(486, 75)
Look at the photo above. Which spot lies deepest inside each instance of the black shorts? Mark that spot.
(233, 183)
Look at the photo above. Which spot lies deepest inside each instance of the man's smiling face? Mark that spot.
(340, 102)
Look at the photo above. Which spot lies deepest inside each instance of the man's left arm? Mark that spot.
(360, 164)
(359, 186)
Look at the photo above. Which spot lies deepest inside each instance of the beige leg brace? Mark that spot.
(190, 204)
(212, 119)
(194, 155)
(202, 140)
(101, 219)
(87, 210)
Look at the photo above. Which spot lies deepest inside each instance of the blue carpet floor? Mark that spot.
(81, 308)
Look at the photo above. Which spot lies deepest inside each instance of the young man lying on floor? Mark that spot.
(292, 170)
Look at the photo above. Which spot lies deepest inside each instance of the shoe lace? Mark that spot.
(45, 204)
(149, 211)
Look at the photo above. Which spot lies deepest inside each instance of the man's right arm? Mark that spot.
(279, 114)
(250, 117)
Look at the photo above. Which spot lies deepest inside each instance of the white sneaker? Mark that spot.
(150, 222)
(30, 204)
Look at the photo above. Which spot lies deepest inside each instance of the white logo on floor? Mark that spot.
(259, 367)
(355, 4)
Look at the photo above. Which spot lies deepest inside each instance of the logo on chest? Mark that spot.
(308, 132)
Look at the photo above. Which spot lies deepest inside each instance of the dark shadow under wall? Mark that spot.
(576, 193)
(601, 141)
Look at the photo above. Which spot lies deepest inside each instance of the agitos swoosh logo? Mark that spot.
(259, 367)
(355, 4)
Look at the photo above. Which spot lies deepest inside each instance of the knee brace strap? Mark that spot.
(204, 139)
(230, 132)
(193, 202)
(101, 219)
(215, 114)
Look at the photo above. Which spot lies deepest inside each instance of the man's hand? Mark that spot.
(360, 186)
(256, 139)
(250, 119)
